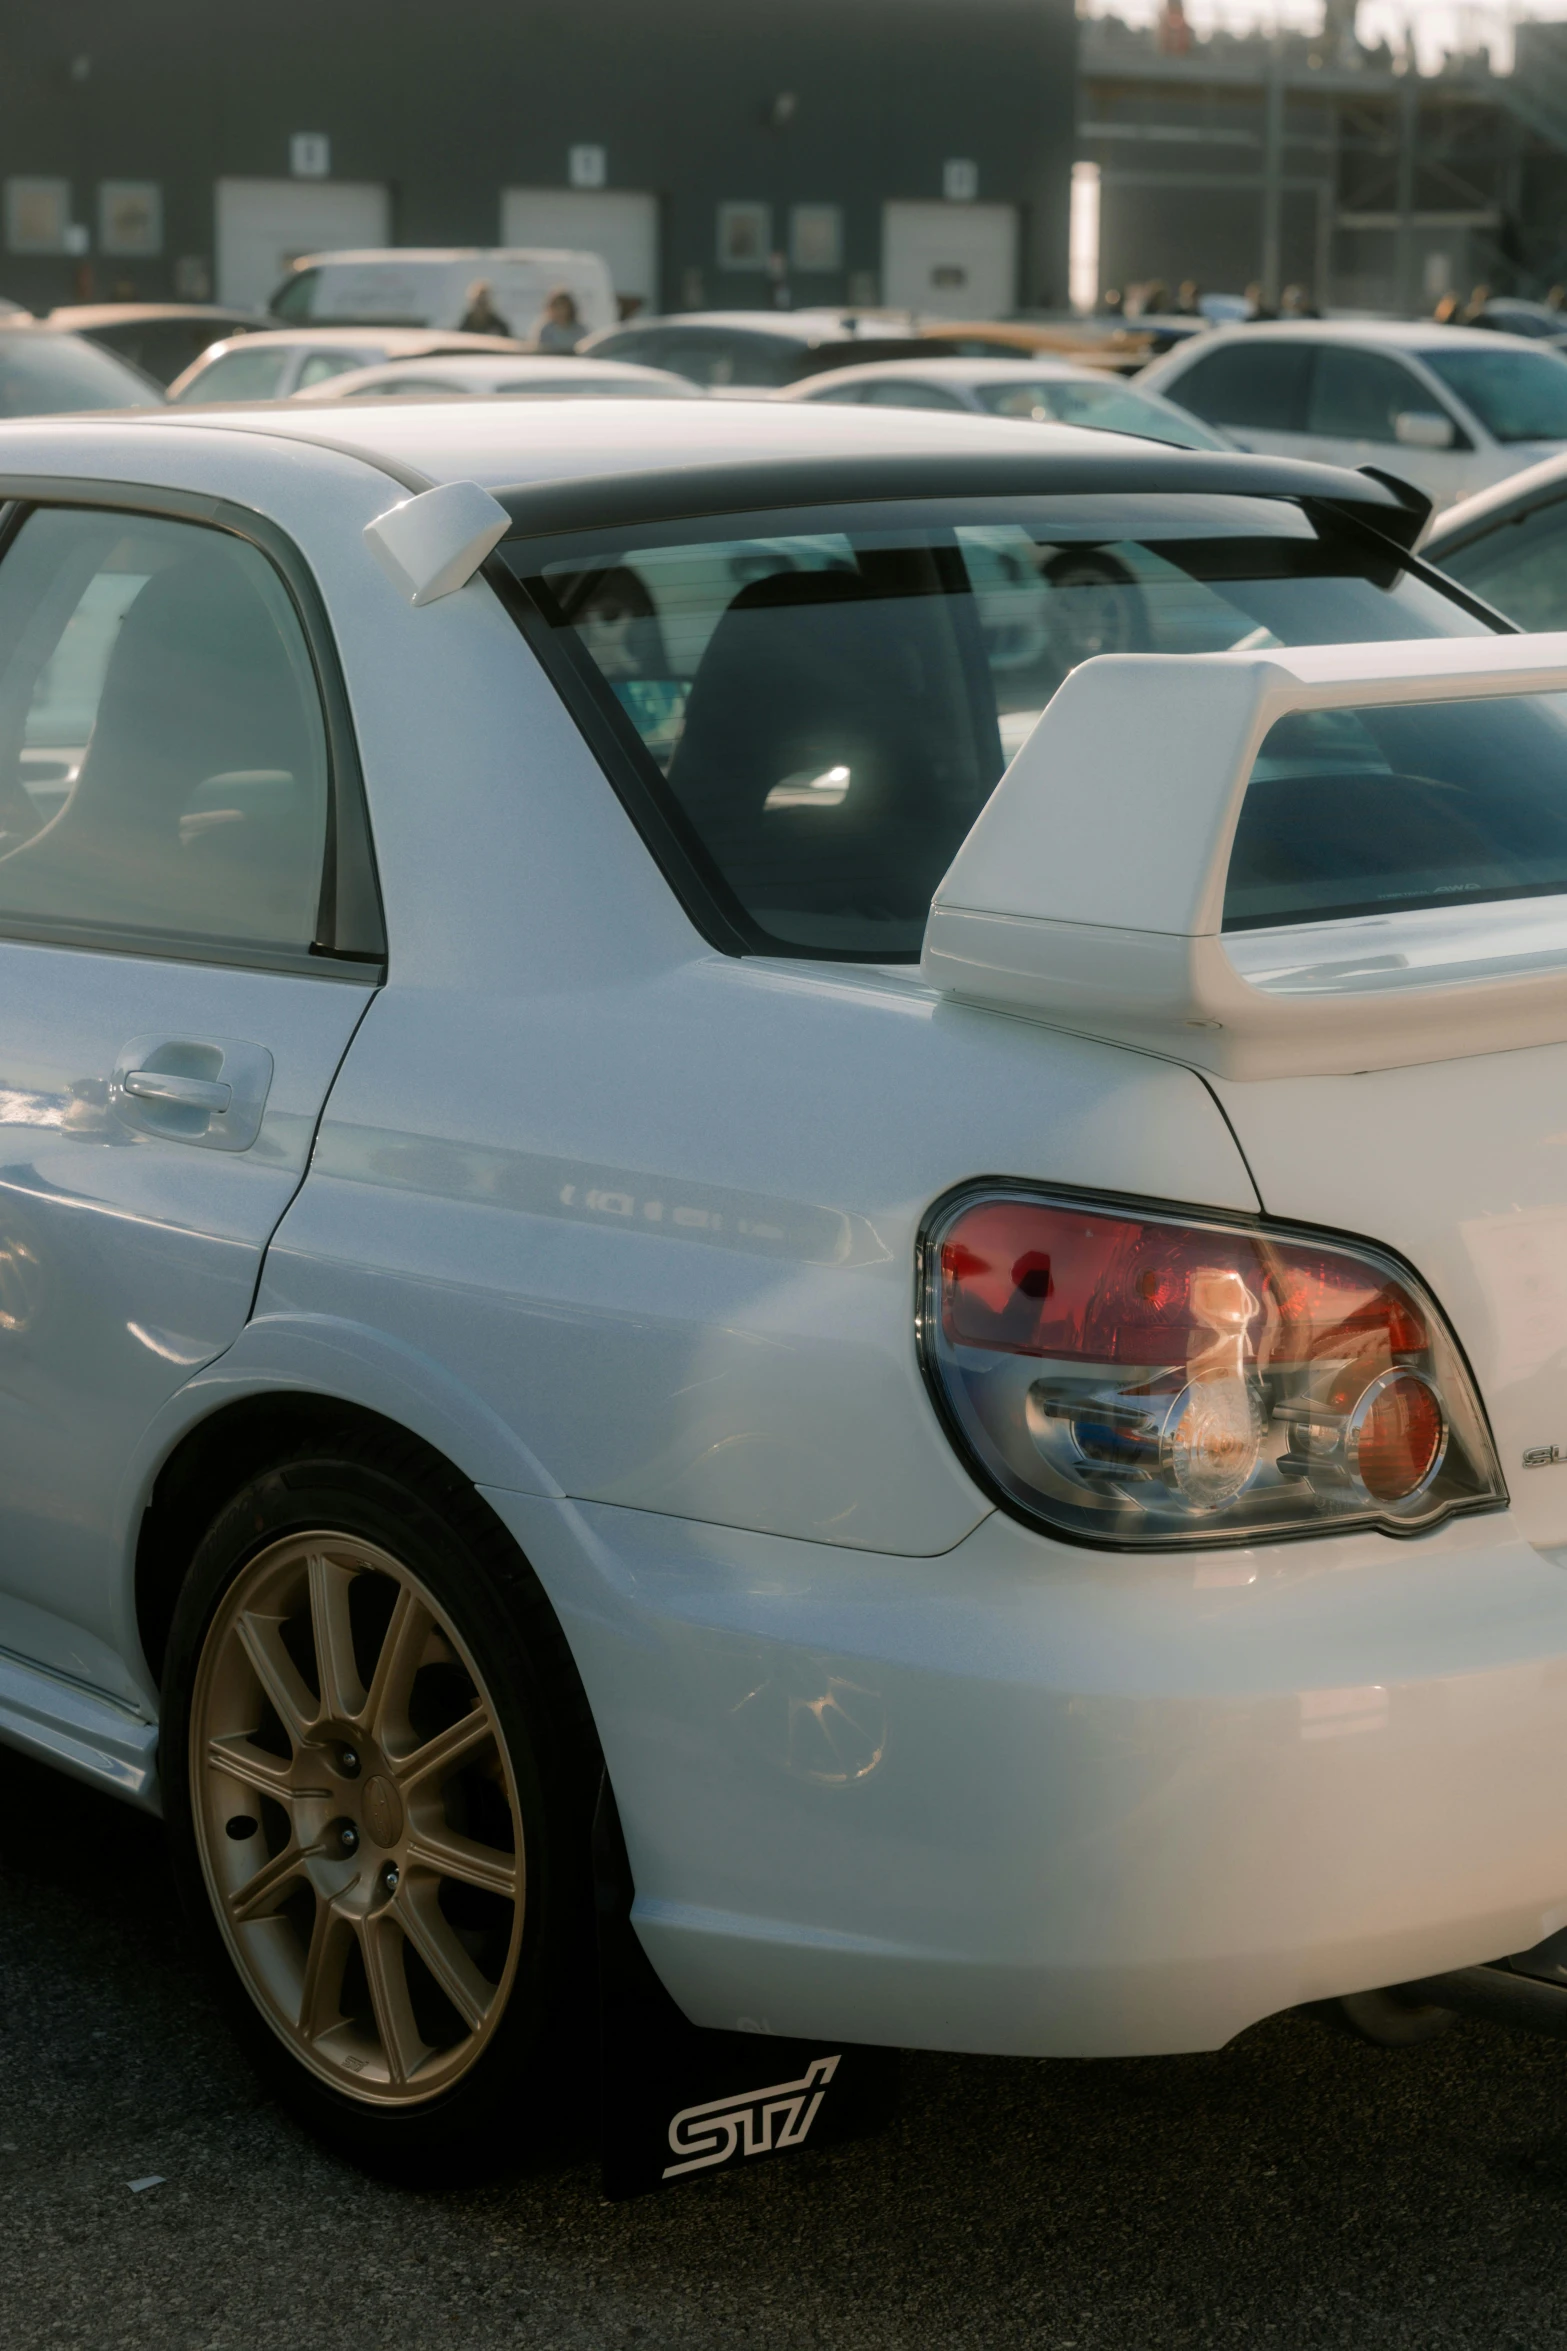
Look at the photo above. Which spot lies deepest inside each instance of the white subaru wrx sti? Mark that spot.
(856, 1125)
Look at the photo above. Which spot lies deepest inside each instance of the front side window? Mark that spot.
(1520, 566)
(1256, 384)
(1517, 395)
(163, 771)
(1381, 811)
(821, 712)
(239, 375)
(1356, 395)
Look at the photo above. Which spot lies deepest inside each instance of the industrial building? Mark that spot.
(1319, 162)
(719, 152)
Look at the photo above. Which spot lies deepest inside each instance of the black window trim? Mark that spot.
(350, 941)
(1374, 512)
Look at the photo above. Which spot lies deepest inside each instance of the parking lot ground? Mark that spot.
(1297, 2189)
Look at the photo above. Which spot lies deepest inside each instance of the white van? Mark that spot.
(428, 286)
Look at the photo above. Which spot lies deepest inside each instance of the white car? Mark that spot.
(598, 1210)
(1509, 545)
(482, 375)
(1043, 391)
(1451, 409)
(275, 362)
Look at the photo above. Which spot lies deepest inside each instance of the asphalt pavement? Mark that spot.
(1296, 2189)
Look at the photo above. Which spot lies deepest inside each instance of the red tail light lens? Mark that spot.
(1144, 1380)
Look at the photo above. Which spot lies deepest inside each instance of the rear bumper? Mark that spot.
(1034, 1799)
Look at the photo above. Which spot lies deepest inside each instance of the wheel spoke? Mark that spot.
(382, 1945)
(260, 1895)
(448, 1855)
(321, 1994)
(261, 1638)
(238, 1759)
(428, 1930)
(386, 1705)
(342, 1693)
(446, 1750)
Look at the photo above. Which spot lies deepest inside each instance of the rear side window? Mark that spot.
(1353, 812)
(1520, 566)
(818, 715)
(1261, 384)
(163, 770)
(240, 375)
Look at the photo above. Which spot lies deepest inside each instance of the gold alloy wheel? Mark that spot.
(357, 1818)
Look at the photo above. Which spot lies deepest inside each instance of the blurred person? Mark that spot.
(481, 316)
(1256, 307)
(1188, 302)
(1110, 301)
(1175, 33)
(1556, 299)
(1446, 311)
(1473, 313)
(1296, 302)
(558, 326)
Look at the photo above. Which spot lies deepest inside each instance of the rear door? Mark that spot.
(171, 773)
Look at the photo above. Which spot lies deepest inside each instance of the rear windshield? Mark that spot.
(820, 705)
(1379, 811)
(44, 373)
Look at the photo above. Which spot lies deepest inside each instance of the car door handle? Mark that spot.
(157, 1085)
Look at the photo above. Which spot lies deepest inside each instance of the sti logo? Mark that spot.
(766, 2120)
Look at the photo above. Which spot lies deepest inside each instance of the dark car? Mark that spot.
(758, 350)
(45, 373)
(161, 338)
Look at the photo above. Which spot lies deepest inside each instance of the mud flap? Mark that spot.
(679, 2102)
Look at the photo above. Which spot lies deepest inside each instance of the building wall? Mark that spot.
(448, 105)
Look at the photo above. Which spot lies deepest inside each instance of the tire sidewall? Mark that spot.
(494, 2112)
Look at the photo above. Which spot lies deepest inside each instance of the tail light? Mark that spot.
(1141, 1380)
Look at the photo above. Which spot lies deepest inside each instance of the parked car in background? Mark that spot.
(758, 350)
(1042, 391)
(504, 377)
(161, 338)
(631, 1263)
(44, 372)
(429, 286)
(1509, 545)
(1511, 314)
(1451, 409)
(277, 361)
(1096, 342)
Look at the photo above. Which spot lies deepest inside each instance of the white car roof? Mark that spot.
(1516, 489)
(490, 441)
(1402, 334)
(410, 342)
(948, 371)
(478, 372)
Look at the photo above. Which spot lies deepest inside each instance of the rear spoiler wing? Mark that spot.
(1090, 892)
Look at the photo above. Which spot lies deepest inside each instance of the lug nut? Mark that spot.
(391, 1877)
(348, 1762)
(348, 1837)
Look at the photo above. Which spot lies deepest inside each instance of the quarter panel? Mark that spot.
(665, 1229)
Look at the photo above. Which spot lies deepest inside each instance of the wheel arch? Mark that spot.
(287, 1380)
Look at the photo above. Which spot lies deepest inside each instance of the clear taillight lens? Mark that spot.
(1134, 1379)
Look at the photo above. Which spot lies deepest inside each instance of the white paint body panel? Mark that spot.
(625, 1229)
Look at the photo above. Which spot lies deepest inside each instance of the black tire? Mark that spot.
(527, 2080)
